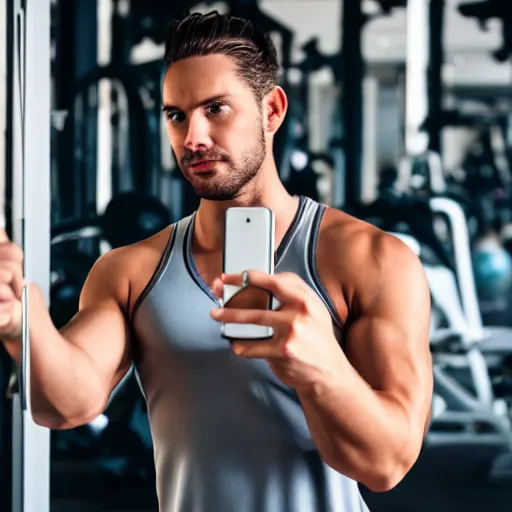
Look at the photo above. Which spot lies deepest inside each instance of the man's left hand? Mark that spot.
(303, 351)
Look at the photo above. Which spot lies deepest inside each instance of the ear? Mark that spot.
(275, 105)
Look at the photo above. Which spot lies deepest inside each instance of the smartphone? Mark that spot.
(249, 244)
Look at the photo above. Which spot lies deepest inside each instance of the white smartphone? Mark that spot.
(249, 244)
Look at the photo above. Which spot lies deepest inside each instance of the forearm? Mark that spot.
(360, 432)
(64, 389)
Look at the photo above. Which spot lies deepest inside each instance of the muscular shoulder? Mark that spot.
(363, 257)
(121, 274)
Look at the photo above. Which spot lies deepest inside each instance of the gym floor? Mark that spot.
(444, 479)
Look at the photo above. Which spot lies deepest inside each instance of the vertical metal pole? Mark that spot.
(436, 23)
(31, 230)
(5, 360)
(416, 85)
(86, 58)
(352, 97)
(68, 175)
(369, 170)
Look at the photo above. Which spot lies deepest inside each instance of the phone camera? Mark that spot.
(247, 220)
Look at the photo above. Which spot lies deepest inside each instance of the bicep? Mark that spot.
(103, 336)
(100, 328)
(387, 341)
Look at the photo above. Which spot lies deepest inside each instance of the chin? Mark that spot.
(214, 188)
(220, 187)
(216, 195)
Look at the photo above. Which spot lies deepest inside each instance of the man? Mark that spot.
(341, 394)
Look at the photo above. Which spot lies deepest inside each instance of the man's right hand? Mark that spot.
(11, 288)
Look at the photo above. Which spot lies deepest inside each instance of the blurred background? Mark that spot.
(400, 114)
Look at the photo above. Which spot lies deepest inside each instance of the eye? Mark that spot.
(217, 108)
(175, 116)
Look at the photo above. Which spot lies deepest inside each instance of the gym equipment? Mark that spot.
(69, 269)
(133, 216)
(5, 431)
(128, 218)
(436, 17)
(480, 192)
(28, 190)
(482, 188)
(311, 174)
(302, 181)
(351, 108)
(135, 120)
(486, 10)
(387, 6)
(492, 266)
(408, 215)
(421, 175)
(297, 157)
(485, 183)
(416, 86)
(491, 342)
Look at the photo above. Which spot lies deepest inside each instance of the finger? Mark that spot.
(258, 349)
(285, 288)
(6, 274)
(218, 288)
(10, 270)
(5, 308)
(10, 252)
(5, 317)
(11, 274)
(266, 317)
(7, 294)
(7, 278)
(17, 286)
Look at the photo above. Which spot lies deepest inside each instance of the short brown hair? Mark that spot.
(213, 33)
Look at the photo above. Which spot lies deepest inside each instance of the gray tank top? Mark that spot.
(228, 436)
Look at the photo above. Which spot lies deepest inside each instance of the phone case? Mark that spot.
(249, 241)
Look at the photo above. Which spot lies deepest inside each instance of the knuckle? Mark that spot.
(6, 313)
(287, 349)
(304, 306)
(260, 316)
(293, 328)
(6, 294)
(11, 252)
(6, 274)
(288, 276)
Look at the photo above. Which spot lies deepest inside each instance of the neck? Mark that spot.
(266, 190)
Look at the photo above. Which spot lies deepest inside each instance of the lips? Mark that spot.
(203, 165)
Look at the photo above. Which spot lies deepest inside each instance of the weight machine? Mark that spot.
(26, 208)
(493, 9)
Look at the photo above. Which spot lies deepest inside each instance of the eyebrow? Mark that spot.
(219, 97)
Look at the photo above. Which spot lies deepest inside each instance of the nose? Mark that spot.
(198, 134)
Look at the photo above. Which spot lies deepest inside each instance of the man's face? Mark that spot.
(214, 125)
